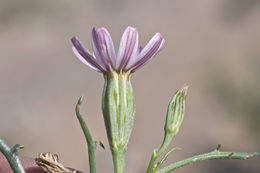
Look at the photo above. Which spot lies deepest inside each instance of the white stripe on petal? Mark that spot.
(128, 47)
(109, 46)
(145, 61)
(83, 59)
(148, 52)
(103, 47)
(85, 54)
(96, 49)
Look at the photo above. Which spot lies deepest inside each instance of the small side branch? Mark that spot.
(216, 154)
(91, 144)
(173, 122)
(12, 155)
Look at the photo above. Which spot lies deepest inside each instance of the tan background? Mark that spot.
(213, 46)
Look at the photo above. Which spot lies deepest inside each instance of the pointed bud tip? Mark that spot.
(184, 89)
(80, 100)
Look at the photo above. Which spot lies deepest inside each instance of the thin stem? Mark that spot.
(216, 154)
(151, 163)
(12, 155)
(118, 160)
(91, 144)
(173, 122)
(159, 164)
(157, 153)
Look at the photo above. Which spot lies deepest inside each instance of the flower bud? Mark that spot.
(118, 109)
(175, 112)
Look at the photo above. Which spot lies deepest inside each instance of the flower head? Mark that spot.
(130, 57)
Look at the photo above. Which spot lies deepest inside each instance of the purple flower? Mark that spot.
(129, 58)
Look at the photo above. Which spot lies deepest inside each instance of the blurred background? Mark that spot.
(213, 46)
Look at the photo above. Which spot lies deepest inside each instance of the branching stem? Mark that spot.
(91, 144)
(216, 154)
(12, 155)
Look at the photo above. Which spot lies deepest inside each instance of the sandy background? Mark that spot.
(213, 46)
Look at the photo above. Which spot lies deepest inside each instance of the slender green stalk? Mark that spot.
(91, 144)
(119, 161)
(173, 122)
(157, 153)
(12, 155)
(164, 158)
(216, 154)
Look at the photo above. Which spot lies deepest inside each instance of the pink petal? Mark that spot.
(103, 47)
(82, 53)
(148, 52)
(83, 59)
(128, 47)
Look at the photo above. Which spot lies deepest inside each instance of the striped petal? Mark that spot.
(128, 47)
(103, 47)
(148, 52)
(82, 59)
(82, 53)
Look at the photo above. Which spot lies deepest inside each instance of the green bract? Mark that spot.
(118, 108)
(175, 112)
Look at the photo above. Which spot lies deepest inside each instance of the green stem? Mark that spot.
(157, 153)
(12, 155)
(151, 163)
(118, 160)
(216, 154)
(91, 144)
(173, 122)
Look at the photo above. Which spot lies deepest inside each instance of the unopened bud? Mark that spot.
(175, 112)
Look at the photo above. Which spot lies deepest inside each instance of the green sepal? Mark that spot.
(118, 109)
